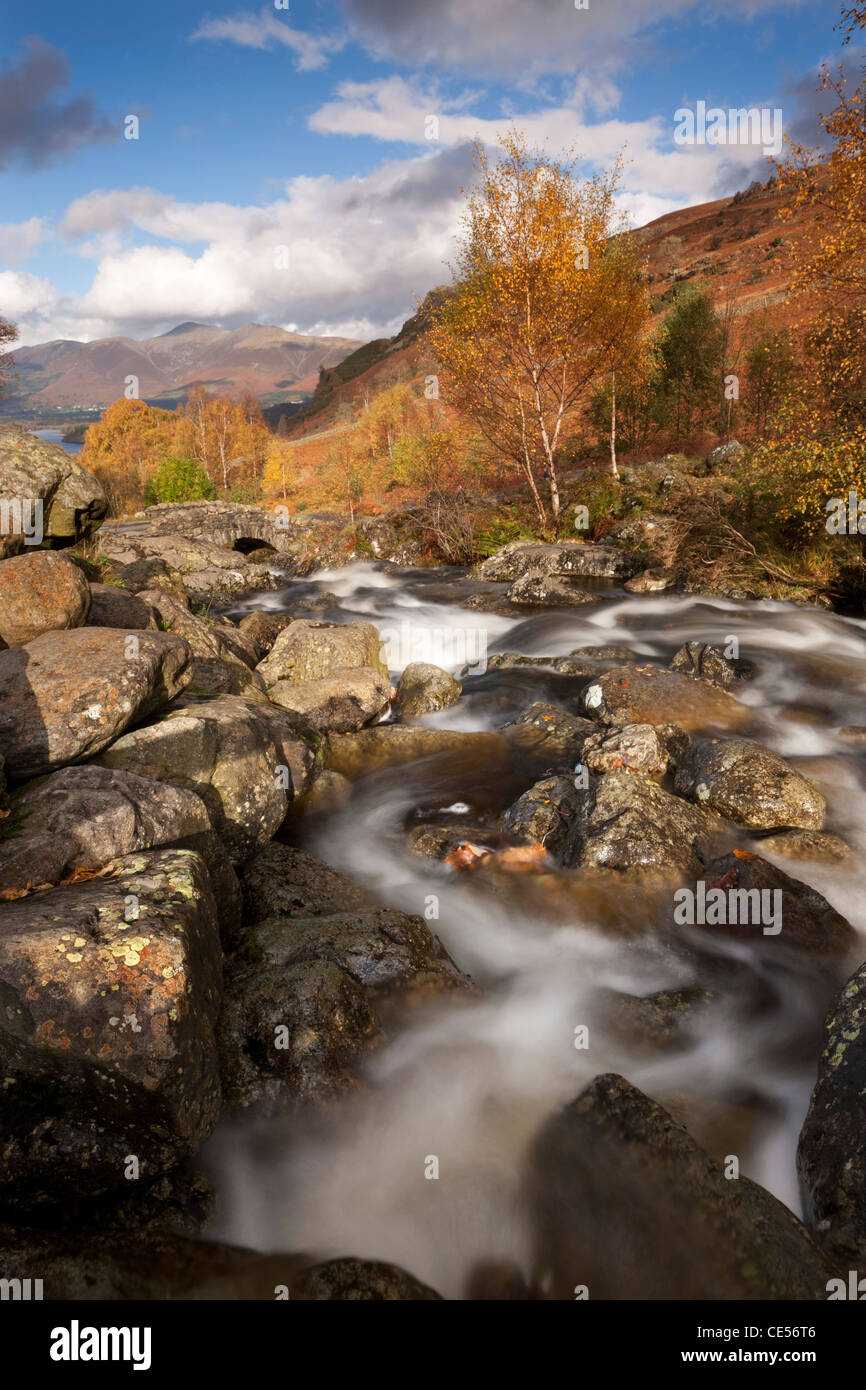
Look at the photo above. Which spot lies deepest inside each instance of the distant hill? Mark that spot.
(66, 375)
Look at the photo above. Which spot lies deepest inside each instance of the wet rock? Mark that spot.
(652, 1022)
(262, 628)
(350, 1280)
(84, 817)
(547, 815)
(114, 607)
(652, 581)
(436, 840)
(310, 651)
(66, 695)
(628, 821)
(345, 700)
(563, 665)
(538, 587)
(709, 663)
(609, 653)
(281, 881)
(807, 921)
(110, 992)
(649, 695)
(33, 471)
(331, 792)
(550, 732)
(41, 591)
(308, 998)
(424, 688)
(853, 733)
(749, 785)
(388, 745)
(815, 845)
(575, 558)
(244, 758)
(613, 1172)
(632, 747)
(831, 1157)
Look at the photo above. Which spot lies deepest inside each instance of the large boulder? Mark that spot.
(831, 1157)
(66, 695)
(213, 639)
(627, 821)
(42, 591)
(649, 695)
(243, 757)
(281, 881)
(626, 1204)
(389, 745)
(424, 688)
(347, 699)
(310, 651)
(575, 558)
(749, 785)
(262, 628)
(538, 588)
(111, 991)
(58, 500)
(111, 606)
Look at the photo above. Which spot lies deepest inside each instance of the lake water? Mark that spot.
(56, 437)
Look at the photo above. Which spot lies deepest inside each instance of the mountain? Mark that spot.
(274, 364)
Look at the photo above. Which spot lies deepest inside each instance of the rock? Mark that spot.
(831, 1156)
(563, 665)
(436, 840)
(244, 758)
(575, 558)
(610, 653)
(424, 688)
(84, 817)
(853, 733)
(331, 792)
(110, 995)
(806, 844)
(550, 732)
(649, 695)
(633, 747)
(652, 1023)
(150, 574)
(749, 785)
(345, 700)
(46, 489)
(281, 881)
(624, 1202)
(66, 695)
(212, 640)
(308, 998)
(652, 581)
(546, 815)
(627, 821)
(42, 591)
(212, 677)
(538, 587)
(207, 572)
(350, 1280)
(309, 651)
(114, 607)
(808, 923)
(262, 628)
(709, 663)
(388, 745)
(720, 458)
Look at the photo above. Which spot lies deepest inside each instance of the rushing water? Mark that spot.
(472, 1084)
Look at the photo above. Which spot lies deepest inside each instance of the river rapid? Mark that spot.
(471, 1085)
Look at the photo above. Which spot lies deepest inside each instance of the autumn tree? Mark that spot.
(8, 334)
(771, 365)
(279, 472)
(541, 308)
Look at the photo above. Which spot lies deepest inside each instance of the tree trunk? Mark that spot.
(613, 468)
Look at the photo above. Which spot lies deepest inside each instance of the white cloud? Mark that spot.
(18, 240)
(265, 30)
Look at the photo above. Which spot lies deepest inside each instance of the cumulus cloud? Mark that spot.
(37, 125)
(18, 240)
(265, 30)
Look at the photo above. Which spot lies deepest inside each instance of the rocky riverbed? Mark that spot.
(370, 931)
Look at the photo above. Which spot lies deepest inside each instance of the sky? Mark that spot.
(278, 163)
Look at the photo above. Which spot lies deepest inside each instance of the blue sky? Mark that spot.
(283, 172)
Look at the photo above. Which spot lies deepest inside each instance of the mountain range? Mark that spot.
(275, 365)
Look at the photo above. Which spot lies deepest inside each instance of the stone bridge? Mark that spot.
(222, 523)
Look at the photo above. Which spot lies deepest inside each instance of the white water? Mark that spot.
(472, 1084)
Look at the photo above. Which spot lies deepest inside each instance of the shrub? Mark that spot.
(179, 480)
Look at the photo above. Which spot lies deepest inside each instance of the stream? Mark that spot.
(471, 1084)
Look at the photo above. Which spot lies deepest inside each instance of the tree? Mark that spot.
(540, 308)
(8, 334)
(278, 473)
(691, 352)
(770, 370)
(179, 480)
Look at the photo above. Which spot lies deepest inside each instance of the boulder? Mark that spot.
(244, 758)
(708, 663)
(388, 745)
(58, 500)
(724, 455)
(652, 581)
(550, 732)
(814, 845)
(632, 747)
(831, 1157)
(262, 628)
(624, 1202)
(281, 881)
(749, 785)
(41, 591)
(111, 606)
(649, 695)
(214, 677)
(546, 815)
(424, 688)
(66, 695)
(110, 991)
(214, 640)
(575, 558)
(539, 588)
(309, 651)
(345, 700)
(350, 1280)
(627, 822)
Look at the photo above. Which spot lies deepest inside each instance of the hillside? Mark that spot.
(261, 358)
